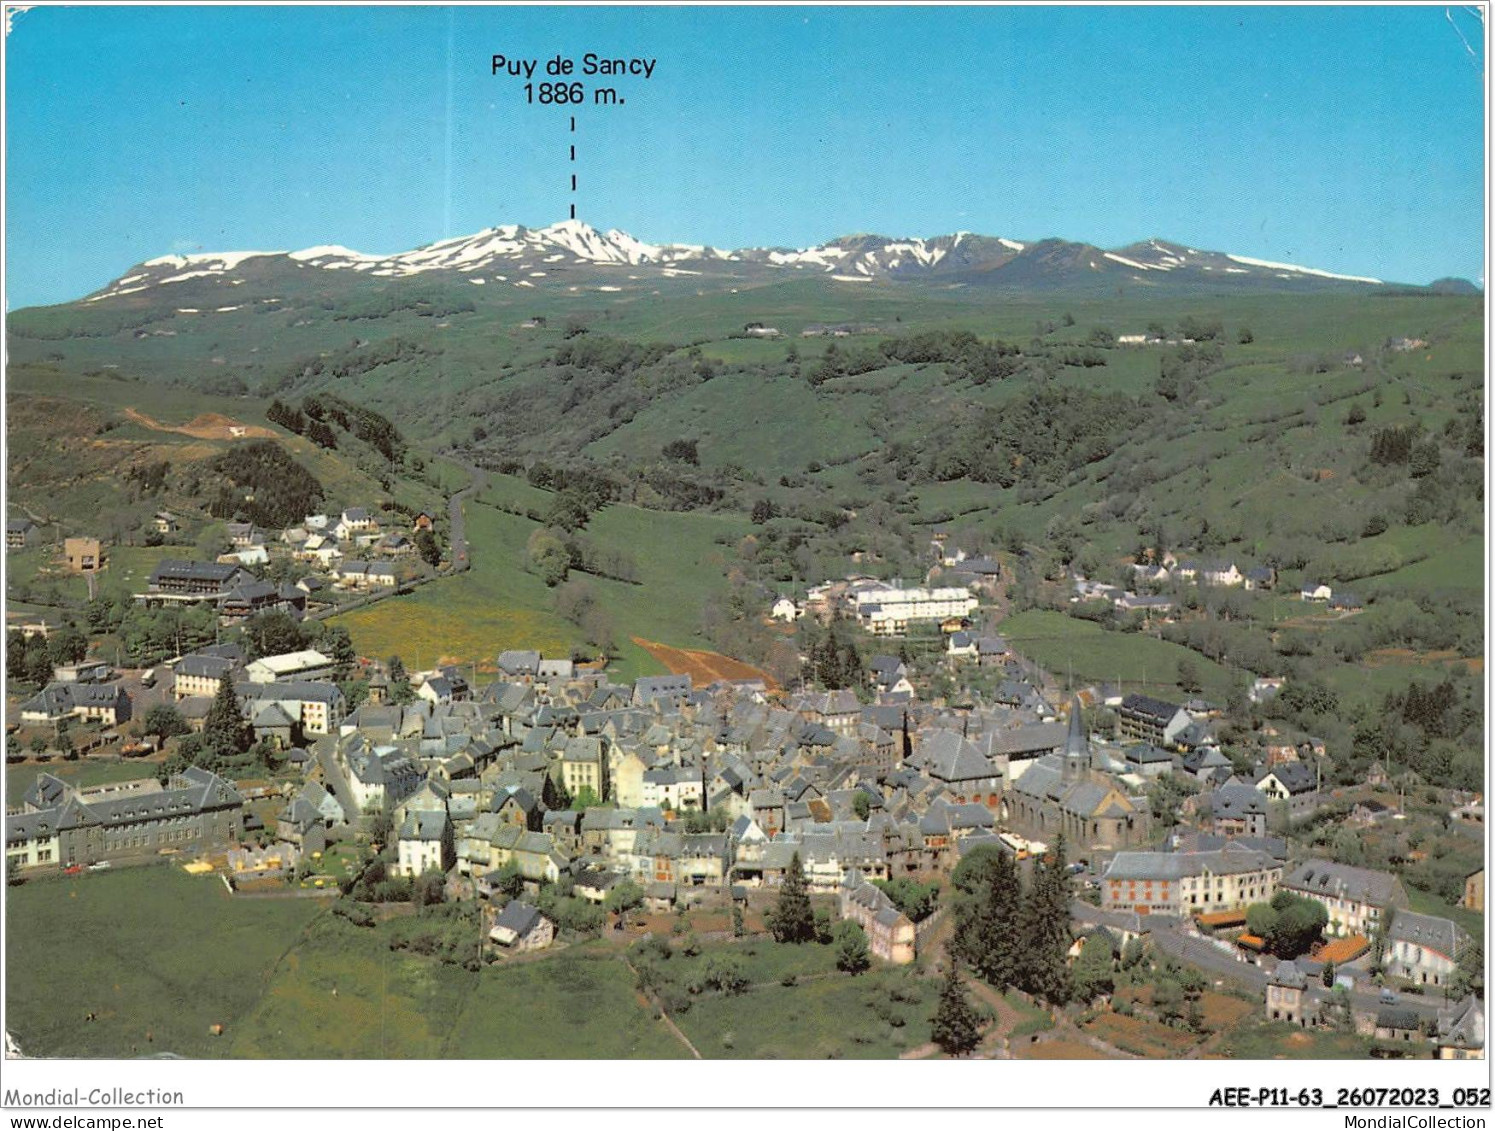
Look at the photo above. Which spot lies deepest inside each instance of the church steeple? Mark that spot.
(1076, 745)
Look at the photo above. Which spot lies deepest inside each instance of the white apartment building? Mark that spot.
(888, 611)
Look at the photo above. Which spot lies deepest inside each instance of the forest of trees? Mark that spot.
(1013, 933)
(1039, 436)
(611, 355)
(262, 484)
(351, 361)
(963, 354)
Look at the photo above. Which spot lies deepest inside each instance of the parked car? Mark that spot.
(1389, 996)
(73, 870)
(99, 866)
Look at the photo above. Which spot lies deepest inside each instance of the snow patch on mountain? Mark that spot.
(212, 260)
(1133, 263)
(1249, 262)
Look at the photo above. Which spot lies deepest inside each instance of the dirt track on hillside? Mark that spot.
(203, 426)
(1444, 658)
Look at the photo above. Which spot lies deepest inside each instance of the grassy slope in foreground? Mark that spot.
(96, 944)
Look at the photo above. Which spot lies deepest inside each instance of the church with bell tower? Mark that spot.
(1066, 793)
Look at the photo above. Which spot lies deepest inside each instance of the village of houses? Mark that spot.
(549, 775)
(357, 551)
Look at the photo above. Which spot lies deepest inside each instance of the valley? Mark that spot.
(692, 486)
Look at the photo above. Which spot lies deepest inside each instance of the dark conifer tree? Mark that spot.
(999, 941)
(1043, 930)
(224, 730)
(955, 1027)
(792, 919)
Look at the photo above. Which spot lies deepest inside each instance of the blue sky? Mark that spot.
(1349, 139)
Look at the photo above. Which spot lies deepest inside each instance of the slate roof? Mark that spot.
(205, 667)
(178, 569)
(979, 566)
(1237, 801)
(424, 824)
(21, 827)
(1076, 745)
(191, 791)
(247, 592)
(47, 791)
(835, 703)
(1273, 846)
(310, 691)
(709, 845)
(518, 917)
(583, 749)
(1028, 738)
(944, 818)
(1204, 759)
(1288, 974)
(272, 715)
(516, 662)
(1296, 777)
(949, 757)
(1146, 754)
(1158, 711)
(1435, 933)
(63, 698)
(650, 687)
(1177, 865)
(1326, 878)
(1463, 1025)
(1146, 601)
(598, 879)
(557, 819)
(1397, 1019)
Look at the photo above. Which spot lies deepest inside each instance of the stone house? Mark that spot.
(891, 935)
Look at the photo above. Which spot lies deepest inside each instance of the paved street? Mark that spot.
(337, 784)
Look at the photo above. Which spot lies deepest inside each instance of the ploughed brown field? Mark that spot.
(702, 667)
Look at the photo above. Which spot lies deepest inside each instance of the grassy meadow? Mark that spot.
(82, 773)
(500, 604)
(94, 944)
(1063, 646)
(288, 980)
(470, 617)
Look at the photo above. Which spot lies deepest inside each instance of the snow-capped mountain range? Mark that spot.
(514, 255)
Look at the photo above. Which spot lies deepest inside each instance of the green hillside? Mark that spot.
(690, 472)
(501, 603)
